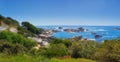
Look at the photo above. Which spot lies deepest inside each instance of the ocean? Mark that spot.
(107, 32)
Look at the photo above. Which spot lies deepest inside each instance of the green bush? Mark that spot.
(66, 42)
(38, 52)
(56, 41)
(56, 50)
(30, 27)
(109, 51)
(84, 49)
(13, 49)
(9, 21)
(2, 17)
(15, 38)
(24, 32)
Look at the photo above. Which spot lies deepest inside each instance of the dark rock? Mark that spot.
(81, 29)
(60, 28)
(117, 28)
(70, 30)
(77, 37)
(55, 31)
(98, 36)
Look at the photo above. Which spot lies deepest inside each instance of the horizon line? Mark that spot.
(77, 25)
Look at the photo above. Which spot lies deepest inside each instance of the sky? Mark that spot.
(63, 12)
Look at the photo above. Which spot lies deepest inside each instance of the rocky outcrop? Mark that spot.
(80, 29)
(4, 26)
(70, 30)
(12, 29)
(40, 41)
(60, 27)
(76, 38)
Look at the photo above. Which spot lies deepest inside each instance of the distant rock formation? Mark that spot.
(70, 30)
(80, 29)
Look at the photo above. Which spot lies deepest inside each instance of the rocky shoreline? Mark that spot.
(46, 36)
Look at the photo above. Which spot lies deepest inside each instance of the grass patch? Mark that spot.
(71, 60)
(26, 58)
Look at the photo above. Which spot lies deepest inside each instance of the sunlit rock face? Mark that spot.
(3, 26)
(12, 29)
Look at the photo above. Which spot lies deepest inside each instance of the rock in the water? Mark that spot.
(81, 29)
(117, 28)
(60, 28)
(94, 33)
(98, 36)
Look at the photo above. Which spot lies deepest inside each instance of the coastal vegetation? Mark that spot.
(31, 28)
(26, 58)
(17, 47)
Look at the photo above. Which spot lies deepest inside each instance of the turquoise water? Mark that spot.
(107, 32)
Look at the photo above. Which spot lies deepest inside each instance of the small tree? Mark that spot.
(30, 27)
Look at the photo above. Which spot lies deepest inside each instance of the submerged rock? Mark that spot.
(94, 33)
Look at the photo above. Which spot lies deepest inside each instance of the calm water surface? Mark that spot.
(108, 32)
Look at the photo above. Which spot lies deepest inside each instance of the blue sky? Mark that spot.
(63, 12)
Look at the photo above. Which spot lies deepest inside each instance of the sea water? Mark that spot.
(107, 32)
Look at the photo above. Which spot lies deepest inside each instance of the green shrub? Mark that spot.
(56, 50)
(66, 42)
(24, 32)
(30, 27)
(13, 49)
(15, 38)
(2, 17)
(9, 21)
(109, 51)
(84, 49)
